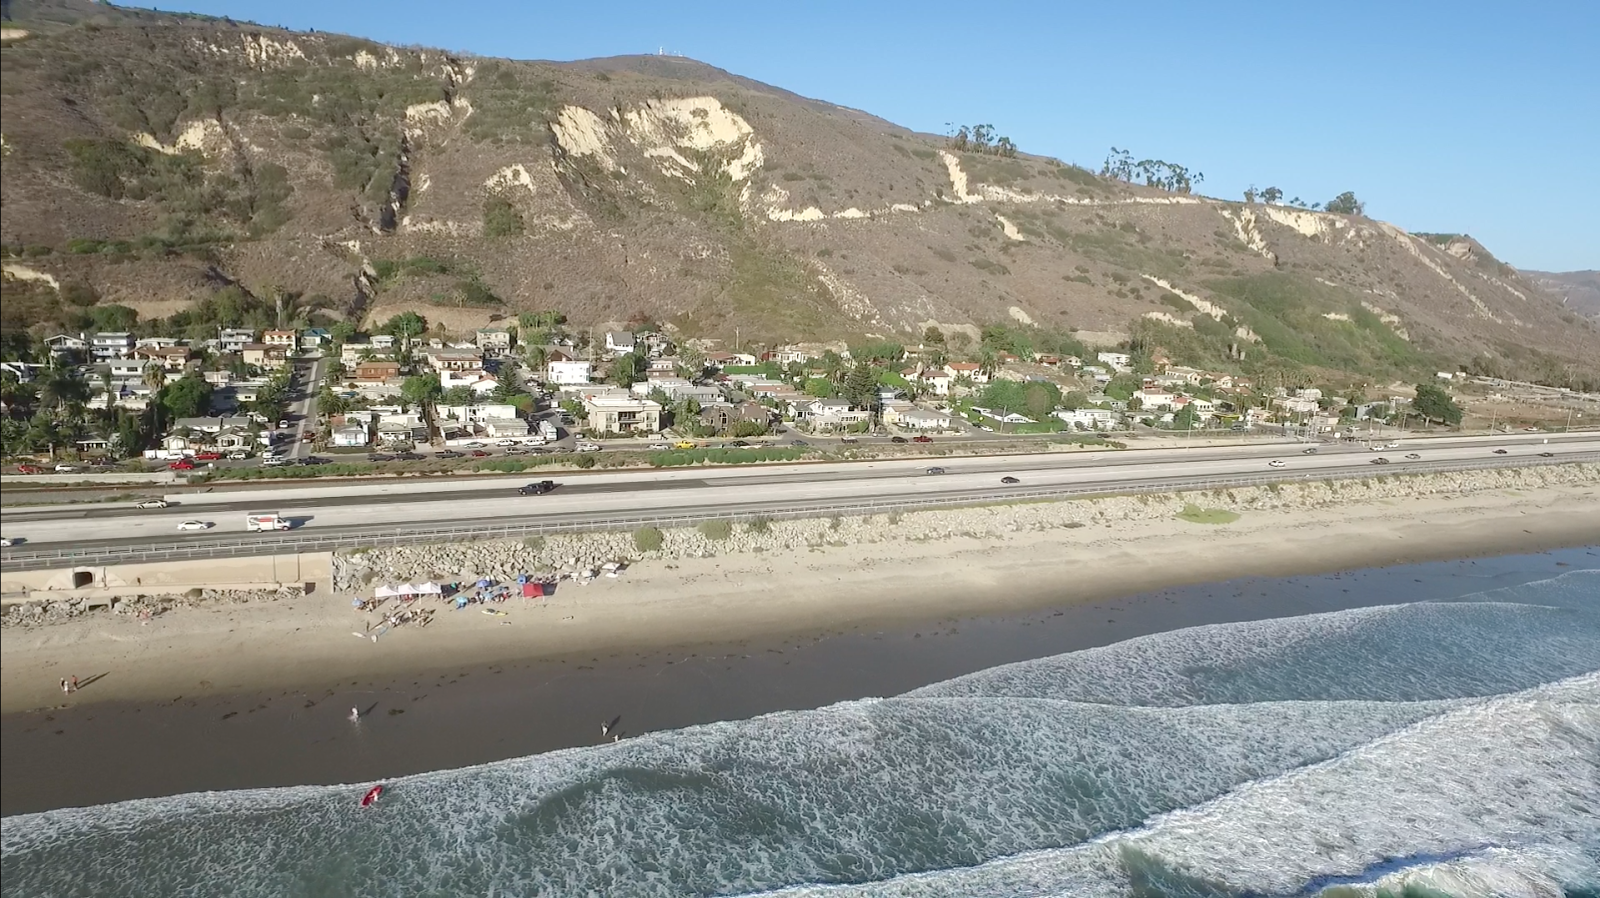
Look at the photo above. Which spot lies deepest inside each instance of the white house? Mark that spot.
(828, 413)
(570, 372)
(233, 339)
(1151, 400)
(785, 355)
(922, 419)
(493, 340)
(479, 382)
(619, 342)
(1119, 361)
(1204, 409)
(351, 433)
(287, 339)
(610, 414)
(477, 413)
(110, 345)
(1088, 418)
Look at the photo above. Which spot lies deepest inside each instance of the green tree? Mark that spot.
(421, 390)
(341, 332)
(406, 326)
(861, 386)
(113, 318)
(1186, 418)
(1435, 404)
(1347, 204)
(187, 397)
(628, 369)
(820, 387)
(933, 336)
(509, 385)
(1040, 399)
(456, 396)
(1075, 399)
(1271, 195)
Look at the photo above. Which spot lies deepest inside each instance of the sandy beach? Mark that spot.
(585, 650)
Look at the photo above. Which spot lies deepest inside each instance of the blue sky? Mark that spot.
(1465, 116)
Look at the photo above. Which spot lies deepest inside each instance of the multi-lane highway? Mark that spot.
(328, 510)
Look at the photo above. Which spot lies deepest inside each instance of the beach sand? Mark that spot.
(259, 694)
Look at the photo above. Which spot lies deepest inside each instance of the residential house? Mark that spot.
(1152, 400)
(67, 344)
(479, 382)
(382, 342)
(911, 417)
(1003, 417)
(262, 355)
(567, 372)
(284, 339)
(233, 339)
(1118, 361)
(493, 340)
(1187, 375)
(662, 365)
(349, 431)
(785, 355)
(211, 426)
(22, 371)
(172, 359)
(127, 369)
(315, 338)
(1088, 418)
(936, 380)
(1297, 405)
(725, 415)
(831, 414)
(1204, 409)
(156, 342)
(455, 359)
(619, 342)
(375, 370)
(488, 419)
(112, 345)
(971, 370)
(623, 415)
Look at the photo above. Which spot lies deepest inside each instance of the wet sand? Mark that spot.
(469, 713)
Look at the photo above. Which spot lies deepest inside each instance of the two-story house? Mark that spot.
(111, 345)
(971, 370)
(284, 339)
(493, 340)
(261, 355)
(619, 342)
(233, 339)
(613, 414)
(455, 359)
(567, 371)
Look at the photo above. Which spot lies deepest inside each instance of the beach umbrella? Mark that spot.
(385, 592)
(482, 584)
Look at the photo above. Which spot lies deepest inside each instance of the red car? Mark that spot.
(922, 438)
(29, 469)
(207, 456)
(182, 464)
(479, 453)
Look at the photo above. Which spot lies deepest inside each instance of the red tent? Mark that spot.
(531, 589)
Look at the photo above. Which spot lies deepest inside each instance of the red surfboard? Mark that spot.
(371, 797)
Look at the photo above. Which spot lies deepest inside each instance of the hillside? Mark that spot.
(150, 160)
(1577, 290)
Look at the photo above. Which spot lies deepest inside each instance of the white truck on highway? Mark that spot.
(264, 521)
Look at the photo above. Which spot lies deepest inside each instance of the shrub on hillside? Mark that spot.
(717, 530)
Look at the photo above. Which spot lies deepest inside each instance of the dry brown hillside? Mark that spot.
(150, 160)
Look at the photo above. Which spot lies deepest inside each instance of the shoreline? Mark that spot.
(877, 573)
(709, 637)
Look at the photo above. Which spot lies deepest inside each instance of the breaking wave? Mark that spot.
(1447, 747)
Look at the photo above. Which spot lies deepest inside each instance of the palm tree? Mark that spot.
(155, 377)
(62, 388)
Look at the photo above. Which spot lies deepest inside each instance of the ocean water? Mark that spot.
(1438, 748)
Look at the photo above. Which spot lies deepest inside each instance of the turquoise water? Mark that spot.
(1431, 748)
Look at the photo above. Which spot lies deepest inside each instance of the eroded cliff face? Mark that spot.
(667, 189)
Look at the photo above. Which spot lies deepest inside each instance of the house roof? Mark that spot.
(963, 366)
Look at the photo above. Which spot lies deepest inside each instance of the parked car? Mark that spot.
(588, 447)
(505, 442)
(1413, 456)
(152, 503)
(479, 453)
(740, 444)
(986, 428)
(272, 461)
(1380, 460)
(195, 525)
(410, 456)
(379, 456)
(29, 469)
(182, 464)
(284, 423)
(801, 443)
(898, 440)
(239, 455)
(934, 471)
(658, 447)
(450, 453)
(684, 444)
(537, 488)
(208, 456)
(1499, 452)
(65, 468)
(1012, 480)
(474, 445)
(516, 450)
(316, 460)
(1275, 463)
(922, 438)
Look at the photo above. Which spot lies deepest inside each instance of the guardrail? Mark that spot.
(463, 531)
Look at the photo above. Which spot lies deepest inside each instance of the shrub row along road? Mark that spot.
(330, 510)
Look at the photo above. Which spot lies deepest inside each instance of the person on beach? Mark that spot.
(74, 684)
(64, 688)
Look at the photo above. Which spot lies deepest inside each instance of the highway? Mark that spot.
(326, 511)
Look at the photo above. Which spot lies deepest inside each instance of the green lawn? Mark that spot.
(1194, 514)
